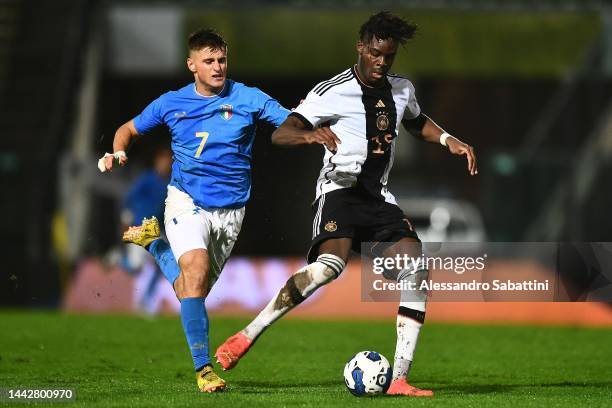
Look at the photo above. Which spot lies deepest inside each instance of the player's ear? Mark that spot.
(191, 65)
(360, 46)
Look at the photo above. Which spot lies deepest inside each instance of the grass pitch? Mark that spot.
(133, 361)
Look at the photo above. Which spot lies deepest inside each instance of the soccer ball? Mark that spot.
(367, 373)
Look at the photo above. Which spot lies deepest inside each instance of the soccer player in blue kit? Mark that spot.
(212, 122)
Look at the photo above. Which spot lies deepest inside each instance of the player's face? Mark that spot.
(375, 59)
(209, 69)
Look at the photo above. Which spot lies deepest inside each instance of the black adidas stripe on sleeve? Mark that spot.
(347, 74)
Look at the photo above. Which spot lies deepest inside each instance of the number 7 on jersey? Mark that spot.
(204, 136)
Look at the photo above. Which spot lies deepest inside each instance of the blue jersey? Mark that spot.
(212, 139)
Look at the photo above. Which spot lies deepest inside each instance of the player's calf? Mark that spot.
(298, 287)
(193, 278)
(410, 319)
(304, 282)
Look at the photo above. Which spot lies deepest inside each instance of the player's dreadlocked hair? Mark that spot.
(206, 37)
(384, 25)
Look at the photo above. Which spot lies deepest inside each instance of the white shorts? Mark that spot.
(191, 227)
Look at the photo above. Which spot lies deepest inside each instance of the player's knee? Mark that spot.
(391, 274)
(407, 274)
(415, 280)
(193, 275)
(188, 287)
(413, 302)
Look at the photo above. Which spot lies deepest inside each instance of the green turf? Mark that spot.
(132, 361)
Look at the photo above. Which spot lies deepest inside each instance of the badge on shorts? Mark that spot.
(382, 122)
(226, 112)
(331, 226)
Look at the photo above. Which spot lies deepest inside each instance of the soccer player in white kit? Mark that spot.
(364, 107)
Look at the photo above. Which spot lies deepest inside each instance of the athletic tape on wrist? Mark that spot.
(443, 138)
(117, 155)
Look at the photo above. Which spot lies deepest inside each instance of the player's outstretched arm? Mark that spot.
(422, 127)
(294, 132)
(123, 138)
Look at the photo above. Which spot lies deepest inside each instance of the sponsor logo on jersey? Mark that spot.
(226, 112)
(331, 226)
(380, 104)
(382, 122)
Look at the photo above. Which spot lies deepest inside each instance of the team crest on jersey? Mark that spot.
(382, 122)
(331, 226)
(226, 112)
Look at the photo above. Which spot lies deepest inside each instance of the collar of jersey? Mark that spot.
(356, 74)
(195, 89)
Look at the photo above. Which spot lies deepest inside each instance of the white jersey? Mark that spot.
(366, 120)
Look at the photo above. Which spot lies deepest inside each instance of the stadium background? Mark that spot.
(527, 83)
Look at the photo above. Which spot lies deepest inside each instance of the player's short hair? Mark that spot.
(206, 37)
(384, 25)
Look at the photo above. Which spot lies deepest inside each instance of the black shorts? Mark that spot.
(349, 213)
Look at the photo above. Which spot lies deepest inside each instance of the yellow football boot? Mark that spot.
(209, 381)
(143, 234)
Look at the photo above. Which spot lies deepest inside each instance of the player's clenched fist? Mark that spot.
(324, 136)
(106, 162)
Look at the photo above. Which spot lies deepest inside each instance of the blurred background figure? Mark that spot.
(146, 195)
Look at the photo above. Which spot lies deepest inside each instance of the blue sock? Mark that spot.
(160, 249)
(195, 325)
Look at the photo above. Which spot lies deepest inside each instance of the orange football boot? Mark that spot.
(229, 353)
(401, 387)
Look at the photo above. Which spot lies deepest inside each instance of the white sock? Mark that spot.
(298, 287)
(408, 325)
